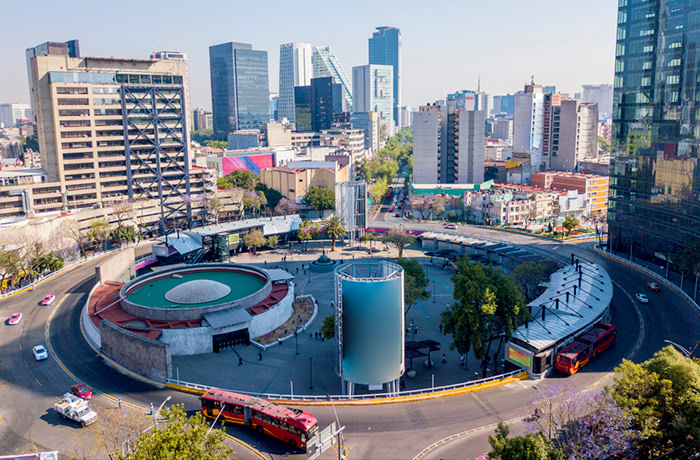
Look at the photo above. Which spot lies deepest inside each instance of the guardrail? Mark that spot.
(321, 398)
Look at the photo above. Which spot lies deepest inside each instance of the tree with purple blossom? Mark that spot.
(581, 425)
(253, 201)
(285, 206)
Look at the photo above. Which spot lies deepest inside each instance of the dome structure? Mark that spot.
(197, 291)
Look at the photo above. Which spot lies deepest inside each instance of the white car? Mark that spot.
(642, 298)
(40, 352)
(451, 225)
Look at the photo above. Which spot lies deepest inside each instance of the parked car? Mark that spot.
(642, 298)
(451, 225)
(15, 318)
(40, 352)
(391, 208)
(654, 287)
(48, 300)
(81, 390)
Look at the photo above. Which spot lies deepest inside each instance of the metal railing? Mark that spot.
(296, 397)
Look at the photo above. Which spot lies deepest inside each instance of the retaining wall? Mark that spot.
(143, 356)
(118, 267)
(274, 317)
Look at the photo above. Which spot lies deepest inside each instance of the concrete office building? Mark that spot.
(602, 95)
(448, 145)
(326, 64)
(385, 49)
(528, 122)
(503, 104)
(201, 119)
(113, 129)
(239, 88)
(295, 70)
(577, 138)
(373, 92)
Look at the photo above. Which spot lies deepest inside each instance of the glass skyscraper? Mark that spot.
(654, 170)
(295, 70)
(239, 88)
(385, 49)
(326, 64)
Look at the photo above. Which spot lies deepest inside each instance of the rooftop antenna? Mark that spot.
(478, 84)
(532, 80)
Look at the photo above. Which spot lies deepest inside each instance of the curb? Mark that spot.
(380, 401)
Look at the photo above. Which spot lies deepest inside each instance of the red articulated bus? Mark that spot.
(292, 426)
(575, 355)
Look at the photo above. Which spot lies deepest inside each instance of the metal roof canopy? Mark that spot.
(183, 242)
(277, 274)
(271, 225)
(590, 303)
(225, 318)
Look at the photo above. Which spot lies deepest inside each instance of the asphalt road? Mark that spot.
(29, 388)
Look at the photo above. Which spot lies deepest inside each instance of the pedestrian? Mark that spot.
(332, 304)
(260, 356)
(441, 329)
(444, 358)
(402, 385)
(461, 361)
(311, 336)
(240, 361)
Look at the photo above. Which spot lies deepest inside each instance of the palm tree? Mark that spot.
(334, 228)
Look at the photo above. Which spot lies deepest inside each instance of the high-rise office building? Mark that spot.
(528, 123)
(201, 119)
(503, 104)
(239, 88)
(113, 129)
(302, 108)
(326, 64)
(368, 122)
(295, 70)
(655, 169)
(385, 49)
(448, 144)
(326, 100)
(602, 95)
(10, 113)
(373, 91)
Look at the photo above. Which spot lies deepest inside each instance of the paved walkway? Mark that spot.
(308, 365)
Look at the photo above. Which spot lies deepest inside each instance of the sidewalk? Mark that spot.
(303, 362)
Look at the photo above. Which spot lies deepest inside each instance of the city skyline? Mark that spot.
(505, 50)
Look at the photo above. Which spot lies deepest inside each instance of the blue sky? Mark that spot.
(446, 44)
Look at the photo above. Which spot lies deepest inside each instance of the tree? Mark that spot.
(254, 239)
(253, 201)
(307, 231)
(415, 282)
(430, 205)
(687, 259)
(527, 447)
(180, 438)
(334, 227)
(285, 206)
(320, 198)
(97, 233)
(239, 178)
(570, 223)
(201, 136)
(213, 207)
(661, 397)
(603, 144)
(369, 237)
(530, 276)
(272, 240)
(486, 302)
(223, 145)
(377, 190)
(580, 425)
(70, 229)
(328, 327)
(272, 196)
(399, 239)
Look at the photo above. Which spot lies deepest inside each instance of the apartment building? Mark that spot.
(111, 129)
(595, 188)
(295, 180)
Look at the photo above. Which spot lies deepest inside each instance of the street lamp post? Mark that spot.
(311, 373)
(549, 400)
(682, 349)
(296, 341)
(434, 292)
(155, 419)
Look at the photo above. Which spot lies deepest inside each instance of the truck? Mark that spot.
(76, 409)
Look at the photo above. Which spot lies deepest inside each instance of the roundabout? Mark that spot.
(387, 431)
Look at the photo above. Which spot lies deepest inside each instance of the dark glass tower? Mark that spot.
(239, 88)
(654, 171)
(326, 99)
(385, 49)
